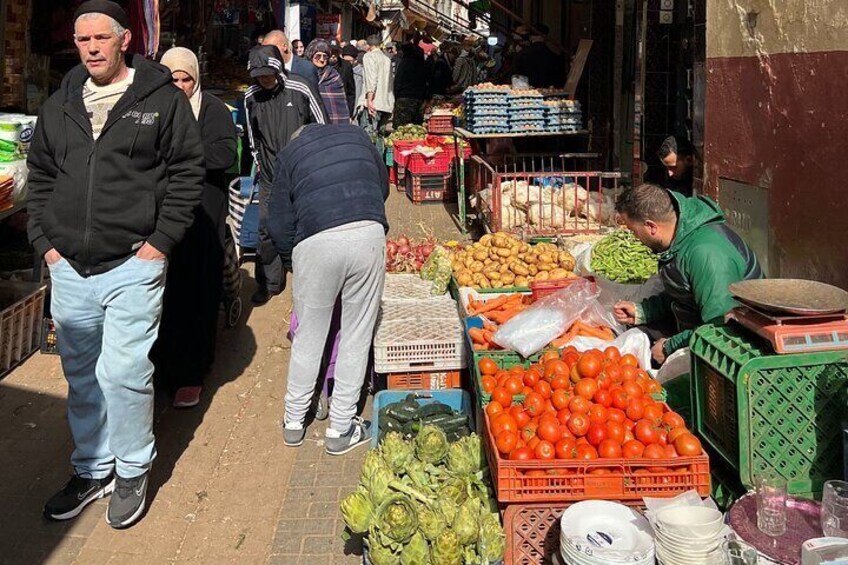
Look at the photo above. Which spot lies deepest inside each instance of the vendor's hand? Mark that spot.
(52, 257)
(149, 253)
(624, 312)
(657, 351)
(372, 111)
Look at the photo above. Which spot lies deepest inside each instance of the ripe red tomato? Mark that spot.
(589, 366)
(494, 408)
(506, 442)
(632, 449)
(670, 452)
(609, 449)
(586, 388)
(654, 451)
(543, 388)
(502, 396)
(635, 409)
(528, 432)
(675, 433)
(612, 353)
(488, 383)
(673, 420)
(596, 434)
(560, 382)
(629, 359)
(555, 367)
(487, 366)
(619, 398)
(514, 385)
(504, 422)
(549, 430)
(687, 445)
(597, 414)
(521, 454)
(560, 399)
(571, 358)
(603, 397)
(653, 412)
(521, 417)
(615, 431)
(534, 403)
(612, 371)
(616, 415)
(545, 450)
(585, 452)
(565, 448)
(531, 377)
(578, 425)
(579, 405)
(563, 416)
(628, 373)
(646, 432)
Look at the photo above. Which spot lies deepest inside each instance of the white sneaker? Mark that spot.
(338, 443)
(293, 433)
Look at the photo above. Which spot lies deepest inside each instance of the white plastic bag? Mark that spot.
(17, 170)
(676, 364)
(632, 341)
(611, 291)
(597, 315)
(547, 319)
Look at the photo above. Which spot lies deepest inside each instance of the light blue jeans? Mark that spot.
(106, 325)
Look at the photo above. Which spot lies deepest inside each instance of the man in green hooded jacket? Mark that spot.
(699, 257)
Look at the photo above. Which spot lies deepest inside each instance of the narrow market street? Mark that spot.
(224, 488)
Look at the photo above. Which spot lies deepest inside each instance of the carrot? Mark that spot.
(563, 340)
(480, 347)
(489, 326)
(477, 335)
(491, 305)
(589, 331)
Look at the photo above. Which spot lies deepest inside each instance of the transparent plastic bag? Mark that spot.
(632, 341)
(533, 329)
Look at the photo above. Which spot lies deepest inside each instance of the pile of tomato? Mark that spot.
(582, 406)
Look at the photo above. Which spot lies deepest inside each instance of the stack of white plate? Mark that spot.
(596, 532)
(687, 535)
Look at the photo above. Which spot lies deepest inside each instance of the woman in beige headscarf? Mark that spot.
(186, 346)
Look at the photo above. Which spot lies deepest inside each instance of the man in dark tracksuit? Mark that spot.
(699, 257)
(115, 173)
(275, 107)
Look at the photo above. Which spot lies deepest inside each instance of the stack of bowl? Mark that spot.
(597, 532)
(689, 535)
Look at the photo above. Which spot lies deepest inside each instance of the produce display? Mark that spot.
(622, 258)
(407, 133)
(501, 260)
(426, 501)
(407, 418)
(437, 269)
(404, 255)
(582, 406)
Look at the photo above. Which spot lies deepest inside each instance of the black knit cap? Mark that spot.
(105, 7)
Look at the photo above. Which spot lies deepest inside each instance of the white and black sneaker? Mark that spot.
(293, 433)
(127, 502)
(338, 443)
(79, 492)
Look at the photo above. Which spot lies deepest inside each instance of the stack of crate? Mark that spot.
(419, 343)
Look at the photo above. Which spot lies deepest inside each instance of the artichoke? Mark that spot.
(492, 541)
(416, 552)
(356, 509)
(396, 518)
(446, 549)
(373, 461)
(417, 473)
(447, 508)
(431, 445)
(466, 524)
(466, 455)
(431, 523)
(455, 489)
(396, 451)
(382, 555)
(377, 484)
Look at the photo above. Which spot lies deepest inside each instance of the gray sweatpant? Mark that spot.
(349, 261)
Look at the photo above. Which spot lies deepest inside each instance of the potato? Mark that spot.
(497, 284)
(483, 282)
(546, 266)
(485, 240)
(531, 259)
(523, 248)
(507, 278)
(541, 276)
(480, 255)
(566, 260)
(521, 281)
(468, 262)
(493, 253)
(533, 269)
(546, 258)
(504, 268)
(557, 274)
(492, 275)
(504, 252)
(519, 269)
(521, 256)
(465, 280)
(487, 262)
(476, 267)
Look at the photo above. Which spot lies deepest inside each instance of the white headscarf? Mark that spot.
(182, 59)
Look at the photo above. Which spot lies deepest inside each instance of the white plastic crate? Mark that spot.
(422, 310)
(22, 307)
(419, 345)
(409, 288)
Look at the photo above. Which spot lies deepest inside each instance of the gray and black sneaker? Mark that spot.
(358, 434)
(293, 433)
(127, 502)
(79, 492)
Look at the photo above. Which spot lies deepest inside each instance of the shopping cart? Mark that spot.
(241, 240)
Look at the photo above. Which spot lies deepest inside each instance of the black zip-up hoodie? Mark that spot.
(97, 202)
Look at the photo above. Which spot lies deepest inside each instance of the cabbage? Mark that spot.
(356, 509)
(466, 524)
(377, 484)
(446, 549)
(466, 455)
(416, 552)
(396, 518)
(431, 445)
(396, 451)
(430, 523)
(492, 541)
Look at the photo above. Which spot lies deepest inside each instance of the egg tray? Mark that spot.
(525, 115)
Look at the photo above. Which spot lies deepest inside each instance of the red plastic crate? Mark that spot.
(599, 479)
(438, 380)
(439, 163)
(429, 188)
(403, 145)
(544, 288)
(532, 532)
(440, 124)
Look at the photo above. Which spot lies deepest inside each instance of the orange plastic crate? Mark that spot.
(440, 124)
(437, 380)
(600, 479)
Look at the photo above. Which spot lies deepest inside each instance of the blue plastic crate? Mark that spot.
(456, 399)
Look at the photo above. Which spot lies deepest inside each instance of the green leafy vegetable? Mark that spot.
(622, 258)
(356, 509)
(431, 445)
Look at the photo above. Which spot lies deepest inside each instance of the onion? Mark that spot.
(402, 240)
(391, 248)
(403, 248)
(426, 249)
(418, 264)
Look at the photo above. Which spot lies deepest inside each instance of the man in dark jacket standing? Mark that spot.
(410, 86)
(115, 172)
(275, 108)
(327, 214)
(291, 62)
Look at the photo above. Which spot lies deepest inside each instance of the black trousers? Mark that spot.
(270, 273)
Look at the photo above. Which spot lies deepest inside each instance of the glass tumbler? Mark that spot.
(771, 505)
(736, 552)
(834, 515)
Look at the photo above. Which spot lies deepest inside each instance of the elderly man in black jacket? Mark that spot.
(115, 173)
(327, 213)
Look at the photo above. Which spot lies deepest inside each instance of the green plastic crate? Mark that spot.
(679, 396)
(766, 412)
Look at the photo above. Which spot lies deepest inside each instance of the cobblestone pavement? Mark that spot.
(224, 489)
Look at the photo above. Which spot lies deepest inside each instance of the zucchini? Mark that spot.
(458, 434)
(402, 411)
(446, 422)
(433, 409)
(390, 424)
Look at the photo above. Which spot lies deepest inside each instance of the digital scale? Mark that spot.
(794, 315)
